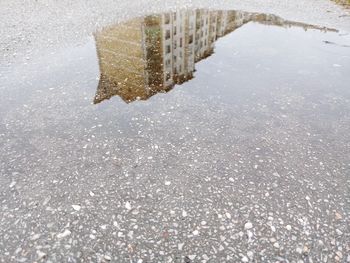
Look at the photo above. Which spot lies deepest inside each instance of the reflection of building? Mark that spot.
(148, 55)
(130, 60)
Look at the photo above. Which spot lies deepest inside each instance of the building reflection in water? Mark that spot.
(144, 56)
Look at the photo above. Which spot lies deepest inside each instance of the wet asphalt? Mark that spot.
(247, 162)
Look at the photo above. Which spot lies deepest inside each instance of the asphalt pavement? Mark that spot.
(249, 161)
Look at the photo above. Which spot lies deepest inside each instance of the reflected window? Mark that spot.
(167, 34)
(168, 49)
(167, 77)
(181, 42)
(167, 18)
(167, 63)
(190, 41)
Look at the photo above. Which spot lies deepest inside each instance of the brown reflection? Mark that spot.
(144, 56)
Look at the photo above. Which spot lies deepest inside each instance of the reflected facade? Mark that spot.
(148, 55)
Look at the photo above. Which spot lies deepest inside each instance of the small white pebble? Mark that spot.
(108, 258)
(76, 207)
(128, 205)
(65, 233)
(250, 254)
(276, 174)
(34, 237)
(245, 259)
(248, 225)
(167, 183)
(40, 254)
(339, 254)
(249, 234)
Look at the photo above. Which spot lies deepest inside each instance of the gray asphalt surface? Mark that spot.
(254, 167)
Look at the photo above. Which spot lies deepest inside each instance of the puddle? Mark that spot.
(148, 55)
(187, 72)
